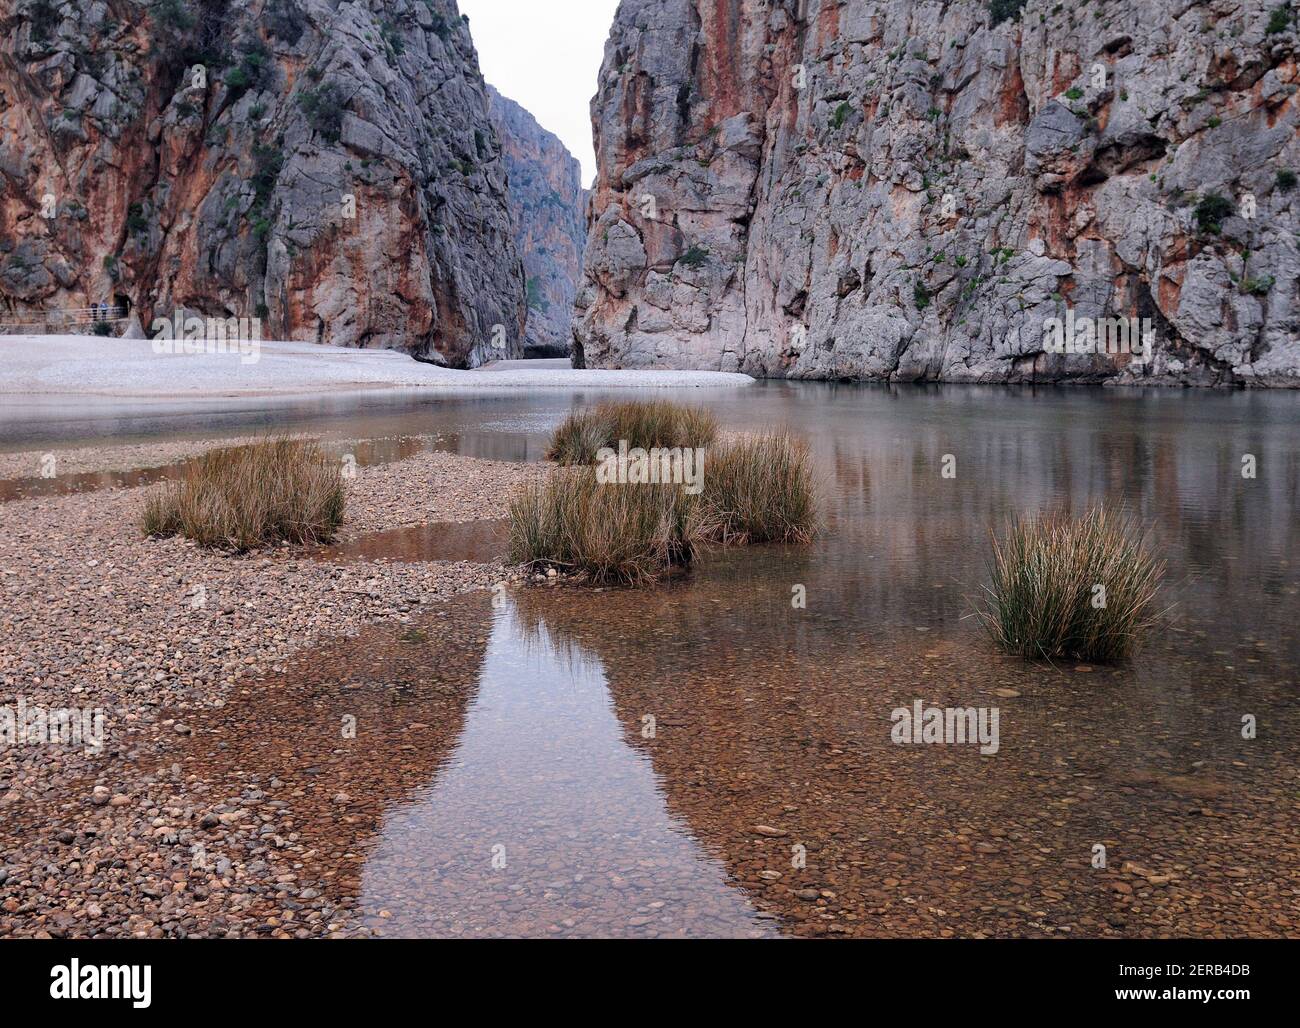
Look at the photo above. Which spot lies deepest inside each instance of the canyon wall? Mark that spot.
(915, 190)
(548, 209)
(329, 167)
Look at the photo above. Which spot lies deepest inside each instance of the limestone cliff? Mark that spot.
(328, 166)
(915, 189)
(548, 208)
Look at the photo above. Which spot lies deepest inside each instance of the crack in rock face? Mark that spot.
(834, 189)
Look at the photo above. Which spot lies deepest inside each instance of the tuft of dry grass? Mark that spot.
(630, 534)
(278, 490)
(643, 423)
(755, 489)
(1073, 588)
(759, 489)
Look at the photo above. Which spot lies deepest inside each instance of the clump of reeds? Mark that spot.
(241, 498)
(759, 489)
(629, 534)
(1074, 588)
(750, 489)
(642, 423)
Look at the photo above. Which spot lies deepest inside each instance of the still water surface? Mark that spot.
(767, 714)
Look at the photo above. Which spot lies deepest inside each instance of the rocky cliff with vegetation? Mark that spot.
(914, 189)
(329, 167)
(548, 209)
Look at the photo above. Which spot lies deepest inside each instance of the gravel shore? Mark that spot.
(152, 633)
(83, 460)
(277, 727)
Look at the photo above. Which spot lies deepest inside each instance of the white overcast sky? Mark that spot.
(545, 55)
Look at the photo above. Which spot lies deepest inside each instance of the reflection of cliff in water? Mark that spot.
(762, 723)
(904, 543)
(770, 715)
(404, 689)
(545, 821)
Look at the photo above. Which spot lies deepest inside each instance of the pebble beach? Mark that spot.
(153, 633)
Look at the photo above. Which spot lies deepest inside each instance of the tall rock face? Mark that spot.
(548, 208)
(329, 167)
(924, 190)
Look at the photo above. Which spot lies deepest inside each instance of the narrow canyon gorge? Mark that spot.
(548, 209)
(897, 190)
